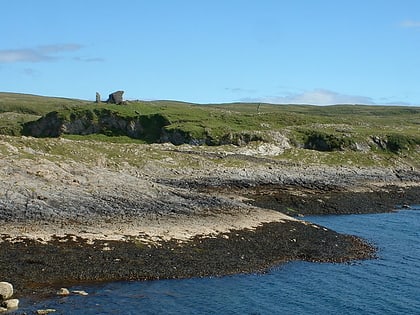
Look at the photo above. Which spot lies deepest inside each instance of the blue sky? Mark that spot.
(209, 51)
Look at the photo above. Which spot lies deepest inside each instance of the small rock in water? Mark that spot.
(80, 292)
(11, 304)
(63, 292)
(6, 290)
(3, 310)
(47, 311)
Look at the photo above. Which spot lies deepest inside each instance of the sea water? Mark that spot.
(389, 284)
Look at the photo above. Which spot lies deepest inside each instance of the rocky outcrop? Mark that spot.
(116, 98)
(147, 127)
(179, 136)
(151, 128)
(49, 125)
(321, 141)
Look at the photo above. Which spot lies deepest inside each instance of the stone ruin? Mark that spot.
(116, 98)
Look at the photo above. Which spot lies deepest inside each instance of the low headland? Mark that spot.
(159, 190)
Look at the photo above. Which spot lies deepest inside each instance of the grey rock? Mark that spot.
(49, 125)
(63, 292)
(11, 304)
(98, 98)
(6, 290)
(116, 97)
(379, 142)
(46, 311)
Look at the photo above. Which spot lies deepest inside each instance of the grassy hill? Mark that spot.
(17, 109)
(34, 104)
(355, 129)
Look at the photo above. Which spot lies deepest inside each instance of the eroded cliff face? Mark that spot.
(177, 136)
(151, 128)
(147, 127)
(47, 126)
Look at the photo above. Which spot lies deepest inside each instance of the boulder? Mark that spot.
(46, 311)
(116, 97)
(6, 290)
(63, 292)
(98, 98)
(11, 304)
(3, 309)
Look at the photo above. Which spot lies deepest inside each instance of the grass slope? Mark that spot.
(17, 109)
(34, 104)
(347, 133)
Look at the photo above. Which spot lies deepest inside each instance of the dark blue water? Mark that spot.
(387, 285)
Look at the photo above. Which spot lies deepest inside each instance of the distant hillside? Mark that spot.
(34, 104)
(17, 109)
(322, 128)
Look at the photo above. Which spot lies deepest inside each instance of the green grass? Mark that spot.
(34, 104)
(341, 127)
(11, 122)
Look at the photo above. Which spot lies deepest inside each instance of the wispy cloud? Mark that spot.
(315, 97)
(410, 24)
(82, 59)
(394, 100)
(37, 54)
(30, 72)
(59, 48)
(240, 90)
(23, 55)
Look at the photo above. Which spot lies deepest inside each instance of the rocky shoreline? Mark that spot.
(320, 202)
(41, 268)
(66, 222)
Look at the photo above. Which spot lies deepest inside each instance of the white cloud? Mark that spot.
(316, 97)
(22, 55)
(37, 54)
(410, 24)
